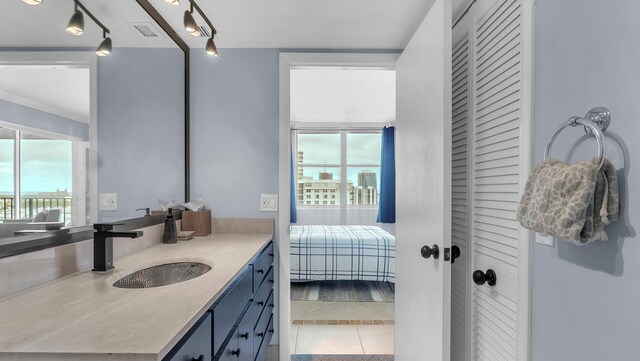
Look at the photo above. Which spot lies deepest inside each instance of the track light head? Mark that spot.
(104, 49)
(32, 2)
(76, 23)
(173, 2)
(211, 48)
(190, 23)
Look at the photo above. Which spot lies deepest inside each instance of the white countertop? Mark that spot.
(83, 317)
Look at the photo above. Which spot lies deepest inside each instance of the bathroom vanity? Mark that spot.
(224, 314)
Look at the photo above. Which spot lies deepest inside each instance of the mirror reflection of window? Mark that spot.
(45, 177)
(7, 195)
(43, 181)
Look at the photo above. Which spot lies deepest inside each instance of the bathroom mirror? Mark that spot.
(86, 138)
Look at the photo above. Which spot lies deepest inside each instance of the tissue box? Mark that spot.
(199, 221)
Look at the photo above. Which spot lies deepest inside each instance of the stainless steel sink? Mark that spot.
(163, 275)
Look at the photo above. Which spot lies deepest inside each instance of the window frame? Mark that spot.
(343, 166)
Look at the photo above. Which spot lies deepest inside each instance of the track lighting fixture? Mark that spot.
(190, 23)
(76, 23)
(173, 2)
(211, 48)
(104, 49)
(32, 2)
(76, 27)
(192, 28)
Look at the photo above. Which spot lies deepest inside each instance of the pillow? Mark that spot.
(53, 215)
(40, 217)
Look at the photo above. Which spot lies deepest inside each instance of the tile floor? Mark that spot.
(342, 339)
(342, 328)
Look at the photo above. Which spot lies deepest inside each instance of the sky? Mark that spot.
(45, 165)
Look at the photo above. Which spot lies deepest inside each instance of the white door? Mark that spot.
(423, 204)
(491, 158)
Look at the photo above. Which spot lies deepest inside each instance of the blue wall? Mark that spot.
(586, 300)
(234, 130)
(141, 128)
(34, 118)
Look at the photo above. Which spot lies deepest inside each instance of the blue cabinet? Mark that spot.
(239, 325)
(196, 344)
(247, 339)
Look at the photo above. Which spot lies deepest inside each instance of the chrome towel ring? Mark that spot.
(595, 122)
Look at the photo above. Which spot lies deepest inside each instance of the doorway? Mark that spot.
(342, 252)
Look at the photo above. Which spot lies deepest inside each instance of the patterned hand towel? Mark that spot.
(570, 201)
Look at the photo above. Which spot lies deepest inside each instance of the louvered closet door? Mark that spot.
(460, 194)
(496, 179)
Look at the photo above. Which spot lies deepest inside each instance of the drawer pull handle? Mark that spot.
(260, 334)
(245, 335)
(260, 270)
(271, 330)
(271, 254)
(236, 353)
(271, 305)
(260, 303)
(272, 281)
(199, 358)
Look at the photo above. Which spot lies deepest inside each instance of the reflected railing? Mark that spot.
(30, 206)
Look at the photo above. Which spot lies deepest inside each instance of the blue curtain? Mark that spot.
(387, 206)
(293, 217)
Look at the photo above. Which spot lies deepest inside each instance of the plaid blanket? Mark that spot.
(320, 253)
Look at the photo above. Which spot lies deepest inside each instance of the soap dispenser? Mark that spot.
(170, 234)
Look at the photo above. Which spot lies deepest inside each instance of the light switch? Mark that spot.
(269, 202)
(545, 240)
(108, 201)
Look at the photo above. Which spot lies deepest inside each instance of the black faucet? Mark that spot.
(103, 244)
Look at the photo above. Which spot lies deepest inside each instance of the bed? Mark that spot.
(322, 253)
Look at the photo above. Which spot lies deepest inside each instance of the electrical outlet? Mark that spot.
(545, 240)
(269, 202)
(108, 201)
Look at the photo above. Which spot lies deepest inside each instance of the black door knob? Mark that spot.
(260, 270)
(199, 358)
(428, 252)
(455, 253)
(245, 335)
(489, 277)
(236, 353)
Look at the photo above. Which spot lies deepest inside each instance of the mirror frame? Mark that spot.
(84, 59)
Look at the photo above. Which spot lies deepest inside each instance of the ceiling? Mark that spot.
(63, 92)
(285, 24)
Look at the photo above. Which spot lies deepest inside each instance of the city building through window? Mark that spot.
(343, 165)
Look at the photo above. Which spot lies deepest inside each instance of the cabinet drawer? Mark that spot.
(261, 266)
(262, 350)
(230, 350)
(227, 311)
(260, 297)
(245, 338)
(260, 331)
(196, 343)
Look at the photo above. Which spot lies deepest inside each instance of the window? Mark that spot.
(44, 175)
(345, 164)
